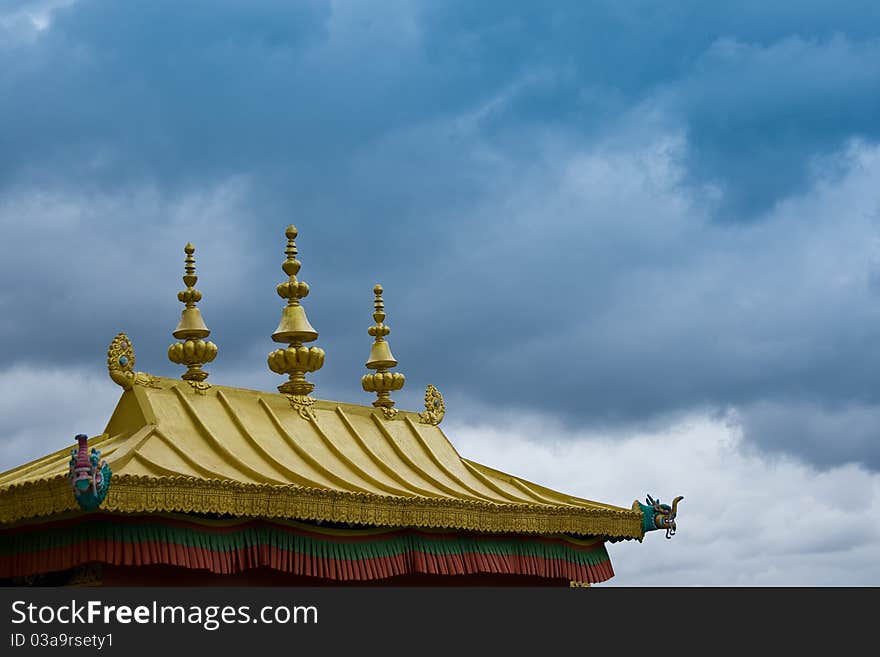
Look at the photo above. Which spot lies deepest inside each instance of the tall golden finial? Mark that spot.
(382, 382)
(294, 329)
(193, 351)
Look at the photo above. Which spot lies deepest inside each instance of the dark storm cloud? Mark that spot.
(757, 114)
(155, 89)
(844, 432)
(611, 212)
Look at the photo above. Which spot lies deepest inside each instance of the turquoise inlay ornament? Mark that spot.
(658, 516)
(123, 360)
(89, 475)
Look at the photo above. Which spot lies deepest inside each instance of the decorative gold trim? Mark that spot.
(147, 380)
(304, 405)
(137, 494)
(389, 413)
(200, 387)
(435, 408)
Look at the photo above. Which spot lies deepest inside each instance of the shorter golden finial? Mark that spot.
(294, 329)
(193, 351)
(382, 382)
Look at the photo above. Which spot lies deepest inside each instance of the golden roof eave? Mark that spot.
(246, 453)
(135, 494)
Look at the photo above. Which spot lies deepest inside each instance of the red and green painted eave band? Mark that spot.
(227, 547)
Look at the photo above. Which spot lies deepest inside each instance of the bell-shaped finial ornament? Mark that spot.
(382, 382)
(380, 356)
(294, 329)
(193, 351)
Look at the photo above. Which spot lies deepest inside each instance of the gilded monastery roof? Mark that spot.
(192, 447)
(173, 446)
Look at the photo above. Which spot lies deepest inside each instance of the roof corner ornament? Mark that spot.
(192, 351)
(658, 516)
(382, 382)
(89, 475)
(295, 329)
(435, 409)
(120, 365)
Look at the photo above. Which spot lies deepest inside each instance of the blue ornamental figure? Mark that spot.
(89, 475)
(658, 516)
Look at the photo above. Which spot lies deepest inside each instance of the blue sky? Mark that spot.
(634, 243)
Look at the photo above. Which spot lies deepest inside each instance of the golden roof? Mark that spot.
(221, 450)
(193, 447)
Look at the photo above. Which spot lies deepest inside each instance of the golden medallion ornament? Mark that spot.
(382, 382)
(193, 351)
(120, 365)
(294, 329)
(435, 408)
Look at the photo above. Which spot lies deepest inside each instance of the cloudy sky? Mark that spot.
(635, 244)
